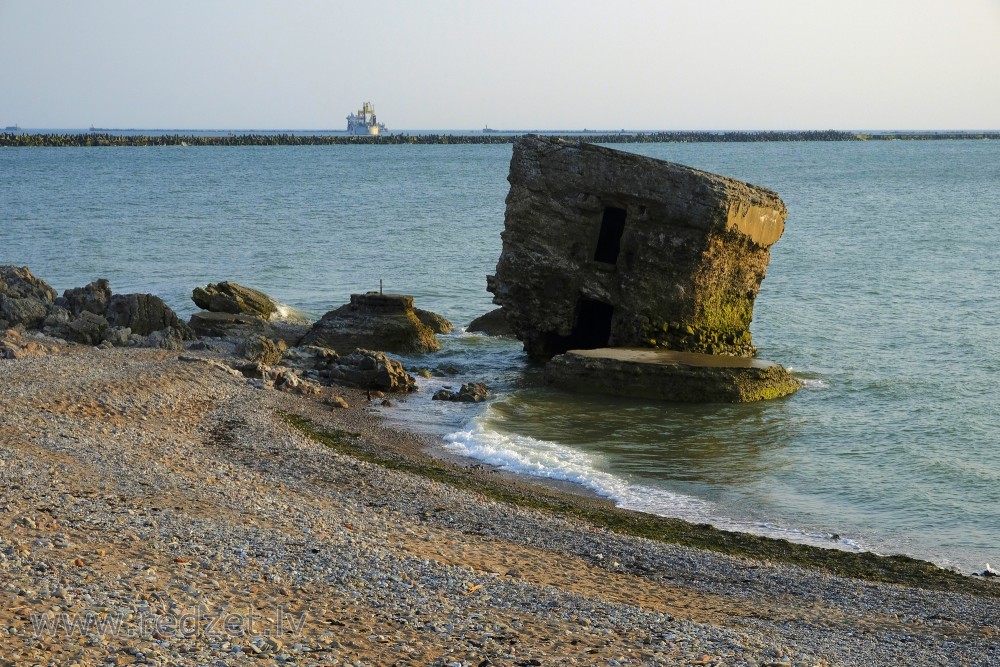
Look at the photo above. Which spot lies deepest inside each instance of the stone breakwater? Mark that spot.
(161, 496)
(45, 139)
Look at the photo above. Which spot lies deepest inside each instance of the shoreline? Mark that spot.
(148, 484)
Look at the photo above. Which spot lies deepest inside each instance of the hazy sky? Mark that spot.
(517, 64)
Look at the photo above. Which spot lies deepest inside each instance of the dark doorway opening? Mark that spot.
(591, 329)
(593, 325)
(609, 242)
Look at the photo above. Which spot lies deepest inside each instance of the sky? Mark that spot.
(515, 64)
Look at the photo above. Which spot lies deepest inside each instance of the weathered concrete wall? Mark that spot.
(606, 248)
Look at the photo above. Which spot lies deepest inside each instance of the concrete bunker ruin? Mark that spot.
(608, 249)
(660, 254)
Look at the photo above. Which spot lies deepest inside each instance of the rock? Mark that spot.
(669, 375)
(261, 349)
(311, 355)
(255, 370)
(56, 323)
(492, 323)
(229, 297)
(374, 321)
(170, 338)
(93, 298)
(24, 299)
(468, 393)
(13, 345)
(118, 336)
(606, 248)
(368, 369)
(144, 314)
(239, 326)
(338, 402)
(287, 380)
(88, 329)
(433, 321)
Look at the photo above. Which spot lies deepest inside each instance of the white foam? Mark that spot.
(549, 460)
(286, 313)
(814, 383)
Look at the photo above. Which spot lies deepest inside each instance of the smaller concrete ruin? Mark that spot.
(607, 249)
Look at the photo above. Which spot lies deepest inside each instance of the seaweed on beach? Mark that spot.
(869, 566)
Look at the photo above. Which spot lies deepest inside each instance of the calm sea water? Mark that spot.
(883, 295)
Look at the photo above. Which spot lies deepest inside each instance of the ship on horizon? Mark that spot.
(363, 122)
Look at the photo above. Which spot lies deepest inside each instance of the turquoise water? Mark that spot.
(883, 295)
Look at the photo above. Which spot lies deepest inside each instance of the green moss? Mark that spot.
(891, 569)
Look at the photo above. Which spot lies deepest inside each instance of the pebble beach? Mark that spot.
(159, 510)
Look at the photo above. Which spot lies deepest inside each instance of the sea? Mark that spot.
(883, 297)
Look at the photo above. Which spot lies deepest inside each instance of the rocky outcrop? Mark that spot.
(369, 369)
(24, 299)
(144, 314)
(88, 329)
(606, 248)
(468, 393)
(165, 339)
(261, 349)
(89, 315)
(433, 321)
(364, 369)
(14, 345)
(230, 297)
(241, 326)
(373, 321)
(669, 376)
(91, 299)
(492, 323)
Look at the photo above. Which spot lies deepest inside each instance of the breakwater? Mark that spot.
(81, 139)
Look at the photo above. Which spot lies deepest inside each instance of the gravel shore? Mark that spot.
(159, 510)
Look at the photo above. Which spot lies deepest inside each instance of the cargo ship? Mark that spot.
(363, 122)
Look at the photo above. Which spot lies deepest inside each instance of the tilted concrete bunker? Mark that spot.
(603, 248)
(639, 276)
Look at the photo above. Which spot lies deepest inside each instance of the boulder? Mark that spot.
(56, 323)
(171, 338)
(118, 336)
(24, 299)
(373, 321)
(368, 369)
(311, 355)
(88, 329)
(13, 345)
(492, 323)
(93, 298)
(468, 393)
(240, 326)
(669, 375)
(144, 314)
(603, 248)
(261, 349)
(229, 297)
(433, 321)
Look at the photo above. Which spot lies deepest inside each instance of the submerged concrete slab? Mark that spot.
(670, 375)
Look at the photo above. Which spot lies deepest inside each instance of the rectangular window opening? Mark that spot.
(609, 241)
